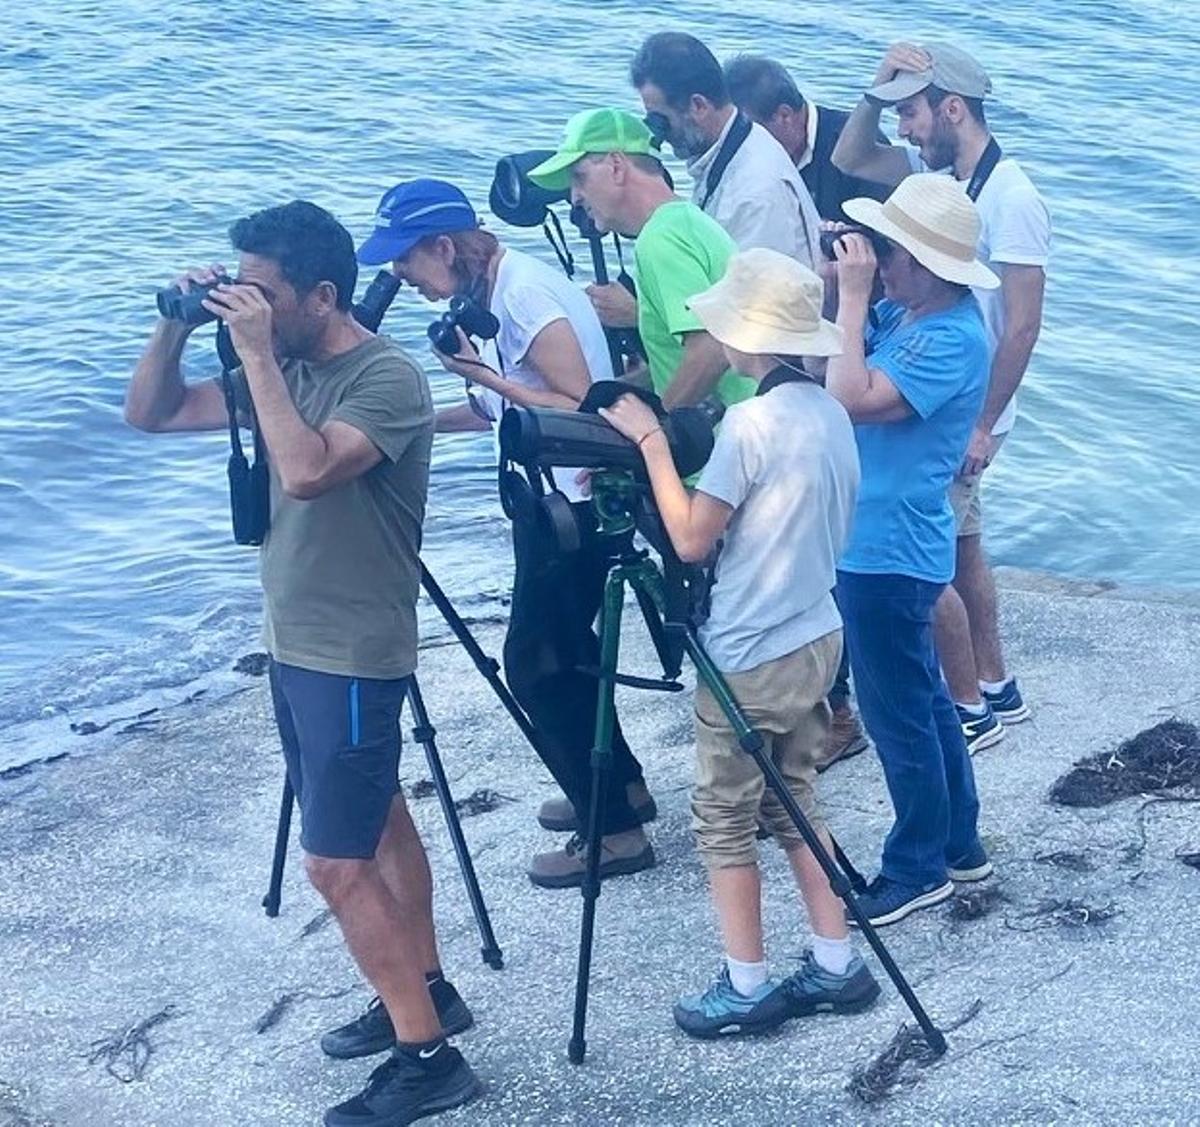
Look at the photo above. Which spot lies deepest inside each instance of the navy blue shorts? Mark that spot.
(341, 741)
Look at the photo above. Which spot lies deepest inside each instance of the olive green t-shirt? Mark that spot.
(680, 252)
(340, 572)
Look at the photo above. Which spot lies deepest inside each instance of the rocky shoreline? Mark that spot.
(146, 986)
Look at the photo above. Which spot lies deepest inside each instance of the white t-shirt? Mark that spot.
(761, 200)
(528, 295)
(1015, 230)
(788, 465)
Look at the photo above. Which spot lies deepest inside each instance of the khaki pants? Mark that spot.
(784, 700)
(965, 498)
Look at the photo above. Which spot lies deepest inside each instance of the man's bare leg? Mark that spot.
(952, 634)
(976, 587)
(388, 945)
(405, 869)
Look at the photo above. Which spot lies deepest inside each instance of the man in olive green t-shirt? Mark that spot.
(347, 420)
(606, 161)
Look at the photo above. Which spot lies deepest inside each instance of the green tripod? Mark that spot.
(615, 498)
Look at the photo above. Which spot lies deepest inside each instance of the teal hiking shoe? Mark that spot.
(814, 990)
(721, 1011)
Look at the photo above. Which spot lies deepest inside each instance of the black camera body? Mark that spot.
(469, 315)
(176, 305)
(879, 244)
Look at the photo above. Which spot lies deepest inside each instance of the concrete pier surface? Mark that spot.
(130, 883)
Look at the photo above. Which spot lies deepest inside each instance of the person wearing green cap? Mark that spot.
(607, 162)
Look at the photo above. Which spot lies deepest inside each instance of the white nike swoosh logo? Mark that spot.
(425, 1055)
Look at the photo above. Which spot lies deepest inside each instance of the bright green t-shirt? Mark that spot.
(679, 253)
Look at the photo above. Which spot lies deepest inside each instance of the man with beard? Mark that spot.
(741, 176)
(938, 92)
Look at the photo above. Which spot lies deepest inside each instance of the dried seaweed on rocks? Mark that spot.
(275, 1014)
(975, 903)
(126, 1055)
(1067, 859)
(252, 664)
(1189, 857)
(1163, 758)
(316, 923)
(899, 1065)
(1064, 913)
(482, 801)
(422, 788)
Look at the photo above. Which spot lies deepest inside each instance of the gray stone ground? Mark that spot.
(130, 882)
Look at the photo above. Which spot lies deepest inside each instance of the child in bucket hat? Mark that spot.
(778, 492)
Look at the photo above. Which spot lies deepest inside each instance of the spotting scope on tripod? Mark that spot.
(670, 599)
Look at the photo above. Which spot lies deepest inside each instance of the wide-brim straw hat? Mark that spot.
(930, 216)
(768, 304)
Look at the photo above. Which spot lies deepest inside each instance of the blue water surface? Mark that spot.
(133, 133)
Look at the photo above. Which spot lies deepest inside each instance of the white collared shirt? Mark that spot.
(761, 200)
(811, 130)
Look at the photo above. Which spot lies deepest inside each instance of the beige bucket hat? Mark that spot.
(768, 304)
(930, 216)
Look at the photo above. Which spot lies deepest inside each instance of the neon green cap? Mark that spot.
(592, 131)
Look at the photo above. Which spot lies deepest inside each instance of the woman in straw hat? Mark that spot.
(779, 489)
(913, 375)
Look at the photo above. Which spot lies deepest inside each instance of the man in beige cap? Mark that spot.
(939, 93)
(779, 489)
(913, 380)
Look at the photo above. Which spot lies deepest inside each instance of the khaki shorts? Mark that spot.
(784, 700)
(965, 498)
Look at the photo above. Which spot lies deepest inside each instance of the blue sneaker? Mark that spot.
(888, 901)
(721, 1011)
(972, 866)
(1008, 703)
(814, 990)
(980, 731)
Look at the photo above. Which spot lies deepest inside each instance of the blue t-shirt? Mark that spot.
(903, 523)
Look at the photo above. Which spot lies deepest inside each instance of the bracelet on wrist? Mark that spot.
(651, 434)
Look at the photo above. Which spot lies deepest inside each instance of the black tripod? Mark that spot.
(424, 733)
(634, 567)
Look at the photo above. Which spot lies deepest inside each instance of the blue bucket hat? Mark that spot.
(413, 211)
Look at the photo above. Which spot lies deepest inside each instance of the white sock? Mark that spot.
(833, 955)
(746, 977)
(994, 686)
(974, 709)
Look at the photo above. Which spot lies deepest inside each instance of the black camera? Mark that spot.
(465, 313)
(176, 305)
(879, 244)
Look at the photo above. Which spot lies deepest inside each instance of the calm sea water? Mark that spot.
(133, 133)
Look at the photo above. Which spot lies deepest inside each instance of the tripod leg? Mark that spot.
(857, 881)
(423, 733)
(610, 640)
(752, 743)
(487, 666)
(283, 829)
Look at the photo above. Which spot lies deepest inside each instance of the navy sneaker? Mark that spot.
(1008, 704)
(814, 990)
(721, 1010)
(371, 1032)
(980, 731)
(408, 1087)
(972, 866)
(888, 902)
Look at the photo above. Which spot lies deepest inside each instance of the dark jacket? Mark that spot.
(829, 186)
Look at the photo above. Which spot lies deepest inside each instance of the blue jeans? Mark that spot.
(908, 712)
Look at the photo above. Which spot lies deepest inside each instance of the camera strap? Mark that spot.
(734, 139)
(984, 169)
(782, 374)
